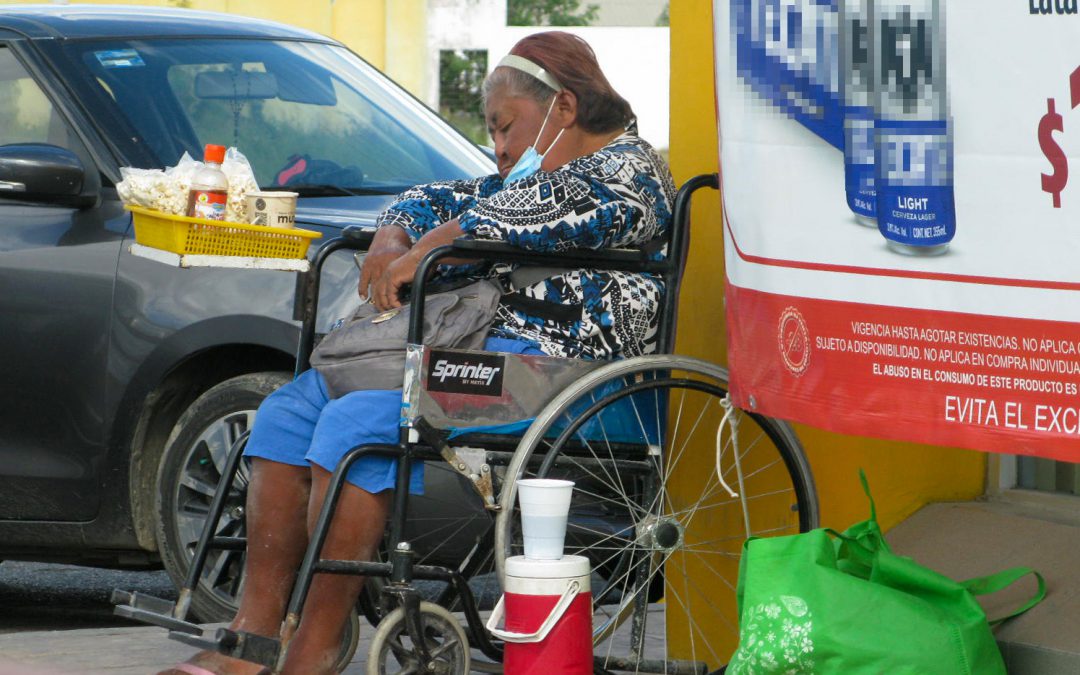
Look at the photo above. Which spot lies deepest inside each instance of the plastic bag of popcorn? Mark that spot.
(241, 181)
(167, 190)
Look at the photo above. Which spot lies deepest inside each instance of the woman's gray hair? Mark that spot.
(515, 83)
(570, 62)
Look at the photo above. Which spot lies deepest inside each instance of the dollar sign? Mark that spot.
(1054, 183)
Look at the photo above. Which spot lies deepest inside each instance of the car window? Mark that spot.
(351, 133)
(26, 116)
(301, 112)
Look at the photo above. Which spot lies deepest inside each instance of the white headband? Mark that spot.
(527, 66)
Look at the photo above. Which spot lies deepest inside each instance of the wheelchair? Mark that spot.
(669, 481)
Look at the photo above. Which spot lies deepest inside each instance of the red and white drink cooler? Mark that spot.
(548, 608)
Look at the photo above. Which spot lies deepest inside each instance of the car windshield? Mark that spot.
(310, 115)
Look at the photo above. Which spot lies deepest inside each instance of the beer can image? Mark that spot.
(856, 82)
(787, 52)
(912, 132)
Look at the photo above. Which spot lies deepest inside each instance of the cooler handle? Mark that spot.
(542, 632)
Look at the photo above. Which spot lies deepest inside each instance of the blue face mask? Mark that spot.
(530, 160)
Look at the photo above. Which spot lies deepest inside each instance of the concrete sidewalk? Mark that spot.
(143, 650)
(973, 539)
(110, 651)
(961, 540)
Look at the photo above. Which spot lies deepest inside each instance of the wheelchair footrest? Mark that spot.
(149, 609)
(237, 644)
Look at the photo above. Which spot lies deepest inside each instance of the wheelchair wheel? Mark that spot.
(350, 640)
(393, 651)
(646, 443)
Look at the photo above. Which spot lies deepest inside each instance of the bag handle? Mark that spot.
(873, 515)
(540, 633)
(866, 489)
(996, 582)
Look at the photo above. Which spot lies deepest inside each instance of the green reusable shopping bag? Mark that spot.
(824, 602)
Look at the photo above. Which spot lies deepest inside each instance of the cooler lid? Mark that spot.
(567, 567)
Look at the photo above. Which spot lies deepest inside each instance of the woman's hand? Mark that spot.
(386, 287)
(375, 264)
(385, 291)
(389, 244)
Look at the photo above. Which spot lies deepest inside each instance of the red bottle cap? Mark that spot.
(214, 153)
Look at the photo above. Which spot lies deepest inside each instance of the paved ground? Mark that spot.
(43, 596)
(959, 540)
(105, 651)
(125, 651)
(972, 539)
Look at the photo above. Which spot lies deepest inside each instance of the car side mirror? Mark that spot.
(38, 172)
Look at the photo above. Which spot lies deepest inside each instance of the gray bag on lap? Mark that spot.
(368, 350)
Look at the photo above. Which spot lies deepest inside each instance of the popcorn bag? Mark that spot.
(241, 182)
(166, 190)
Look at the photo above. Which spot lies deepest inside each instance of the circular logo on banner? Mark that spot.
(794, 341)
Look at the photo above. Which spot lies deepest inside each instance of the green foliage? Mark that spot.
(461, 80)
(665, 16)
(549, 13)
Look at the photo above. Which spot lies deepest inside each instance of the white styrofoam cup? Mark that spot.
(544, 503)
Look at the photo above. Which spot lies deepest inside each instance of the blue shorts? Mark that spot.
(299, 424)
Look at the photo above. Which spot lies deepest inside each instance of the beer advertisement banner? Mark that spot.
(902, 235)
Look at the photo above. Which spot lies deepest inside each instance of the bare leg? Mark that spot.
(355, 532)
(277, 504)
(277, 538)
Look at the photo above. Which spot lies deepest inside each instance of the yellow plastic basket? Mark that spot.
(199, 236)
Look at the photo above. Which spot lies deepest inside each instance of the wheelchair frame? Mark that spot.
(418, 442)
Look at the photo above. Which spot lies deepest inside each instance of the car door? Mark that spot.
(57, 270)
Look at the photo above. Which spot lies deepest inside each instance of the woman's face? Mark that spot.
(513, 122)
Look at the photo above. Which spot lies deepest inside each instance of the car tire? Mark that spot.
(188, 474)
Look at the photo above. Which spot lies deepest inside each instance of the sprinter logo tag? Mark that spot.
(459, 373)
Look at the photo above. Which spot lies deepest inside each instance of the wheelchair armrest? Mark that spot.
(358, 236)
(607, 259)
(624, 260)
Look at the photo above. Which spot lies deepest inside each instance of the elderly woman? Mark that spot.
(572, 174)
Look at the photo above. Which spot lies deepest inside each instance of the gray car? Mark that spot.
(126, 380)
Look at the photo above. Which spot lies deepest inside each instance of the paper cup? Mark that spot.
(544, 504)
(274, 209)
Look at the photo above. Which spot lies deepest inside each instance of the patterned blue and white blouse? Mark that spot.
(618, 197)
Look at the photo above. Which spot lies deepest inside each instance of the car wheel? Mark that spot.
(188, 475)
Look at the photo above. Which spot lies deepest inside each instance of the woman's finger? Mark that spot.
(365, 282)
(378, 293)
(374, 266)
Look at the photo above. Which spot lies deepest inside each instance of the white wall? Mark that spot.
(458, 24)
(635, 59)
(637, 62)
(627, 12)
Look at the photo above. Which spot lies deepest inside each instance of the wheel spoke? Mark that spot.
(198, 485)
(635, 512)
(694, 627)
(218, 439)
(611, 482)
(448, 646)
(215, 573)
(403, 654)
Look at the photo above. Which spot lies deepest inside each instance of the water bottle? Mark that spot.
(209, 191)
